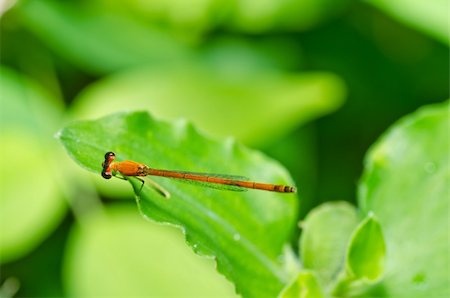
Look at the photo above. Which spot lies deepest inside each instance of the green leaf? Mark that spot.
(254, 106)
(405, 183)
(245, 232)
(31, 205)
(130, 257)
(430, 17)
(365, 260)
(324, 240)
(305, 285)
(366, 252)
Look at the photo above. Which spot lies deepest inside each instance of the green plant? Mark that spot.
(406, 174)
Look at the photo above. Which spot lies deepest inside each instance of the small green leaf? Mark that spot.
(406, 184)
(305, 285)
(245, 232)
(366, 252)
(365, 260)
(324, 240)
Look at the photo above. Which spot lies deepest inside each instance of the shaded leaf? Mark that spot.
(245, 232)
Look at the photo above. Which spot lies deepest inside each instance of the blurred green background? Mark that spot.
(310, 83)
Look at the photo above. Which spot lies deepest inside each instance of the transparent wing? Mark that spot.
(215, 175)
(212, 184)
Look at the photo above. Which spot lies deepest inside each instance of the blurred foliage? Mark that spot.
(105, 246)
(27, 148)
(430, 17)
(263, 71)
(242, 101)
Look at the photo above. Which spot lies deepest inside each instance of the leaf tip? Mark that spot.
(370, 216)
(367, 250)
(58, 134)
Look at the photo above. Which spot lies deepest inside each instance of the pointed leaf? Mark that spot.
(367, 251)
(326, 233)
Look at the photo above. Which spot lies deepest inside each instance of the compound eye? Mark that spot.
(109, 154)
(106, 175)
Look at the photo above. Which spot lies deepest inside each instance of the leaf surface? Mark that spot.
(245, 232)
